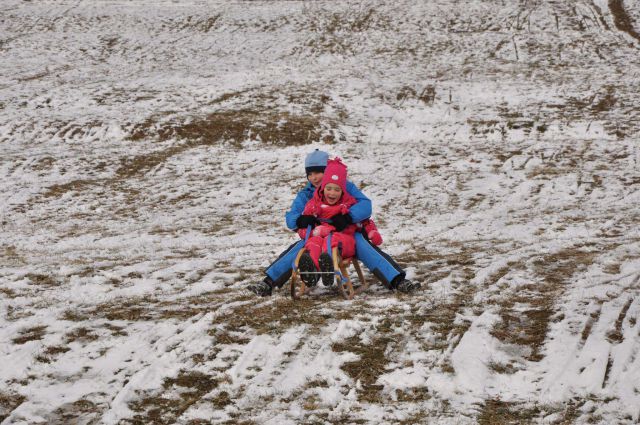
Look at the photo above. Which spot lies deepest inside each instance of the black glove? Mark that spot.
(341, 221)
(305, 220)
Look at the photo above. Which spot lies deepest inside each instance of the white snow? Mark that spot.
(149, 151)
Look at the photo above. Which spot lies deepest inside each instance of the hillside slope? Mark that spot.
(150, 150)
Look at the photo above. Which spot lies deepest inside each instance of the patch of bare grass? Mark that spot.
(448, 331)
(275, 128)
(615, 335)
(74, 316)
(427, 95)
(43, 164)
(370, 365)
(15, 313)
(179, 394)
(10, 252)
(199, 23)
(547, 171)
(8, 292)
(79, 412)
(81, 334)
(41, 279)
(191, 306)
(50, 353)
(278, 128)
(503, 368)
(277, 316)
(621, 18)
(374, 355)
(478, 126)
(605, 102)
(338, 32)
(496, 411)
(115, 330)
(78, 185)
(432, 266)
(8, 402)
(31, 334)
(526, 313)
(127, 309)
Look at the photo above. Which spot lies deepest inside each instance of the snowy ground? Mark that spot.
(150, 149)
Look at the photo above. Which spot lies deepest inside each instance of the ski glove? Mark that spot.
(305, 220)
(341, 221)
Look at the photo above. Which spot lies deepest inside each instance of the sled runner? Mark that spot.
(340, 271)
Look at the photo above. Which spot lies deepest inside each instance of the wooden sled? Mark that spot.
(342, 279)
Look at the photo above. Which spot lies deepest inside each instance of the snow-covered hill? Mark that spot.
(149, 150)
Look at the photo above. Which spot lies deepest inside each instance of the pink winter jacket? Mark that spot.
(317, 207)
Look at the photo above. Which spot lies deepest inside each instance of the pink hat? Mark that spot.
(336, 172)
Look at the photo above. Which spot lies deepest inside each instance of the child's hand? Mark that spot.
(375, 237)
(341, 221)
(323, 230)
(306, 220)
(302, 233)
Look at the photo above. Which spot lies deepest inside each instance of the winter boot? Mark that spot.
(307, 270)
(405, 286)
(263, 288)
(326, 267)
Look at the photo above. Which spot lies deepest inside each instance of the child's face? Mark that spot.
(332, 193)
(315, 177)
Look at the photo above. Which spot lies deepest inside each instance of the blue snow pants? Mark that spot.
(379, 263)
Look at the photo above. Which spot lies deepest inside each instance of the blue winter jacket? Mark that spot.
(361, 210)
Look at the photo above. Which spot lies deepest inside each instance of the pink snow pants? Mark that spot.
(316, 245)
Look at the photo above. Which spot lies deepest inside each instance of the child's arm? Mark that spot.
(309, 214)
(296, 210)
(372, 232)
(361, 210)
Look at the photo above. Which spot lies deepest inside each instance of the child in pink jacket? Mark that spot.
(330, 199)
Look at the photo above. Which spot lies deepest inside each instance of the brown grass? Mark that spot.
(526, 314)
(435, 266)
(81, 334)
(80, 411)
(615, 335)
(41, 279)
(74, 316)
(8, 292)
(496, 411)
(621, 18)
(275, 128)
(43, 164)
(8, 402)
(14, 313)
(593, 318)
(275, 317)
(337, 33)
(370, 365)
(115, 330)
(443, 317)
(606, 102)
(180, 393)
(232, 127)
(58, 190)
(432, 266)
(50, 353)
(128, 309)
(32, 334)
(10, 251)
